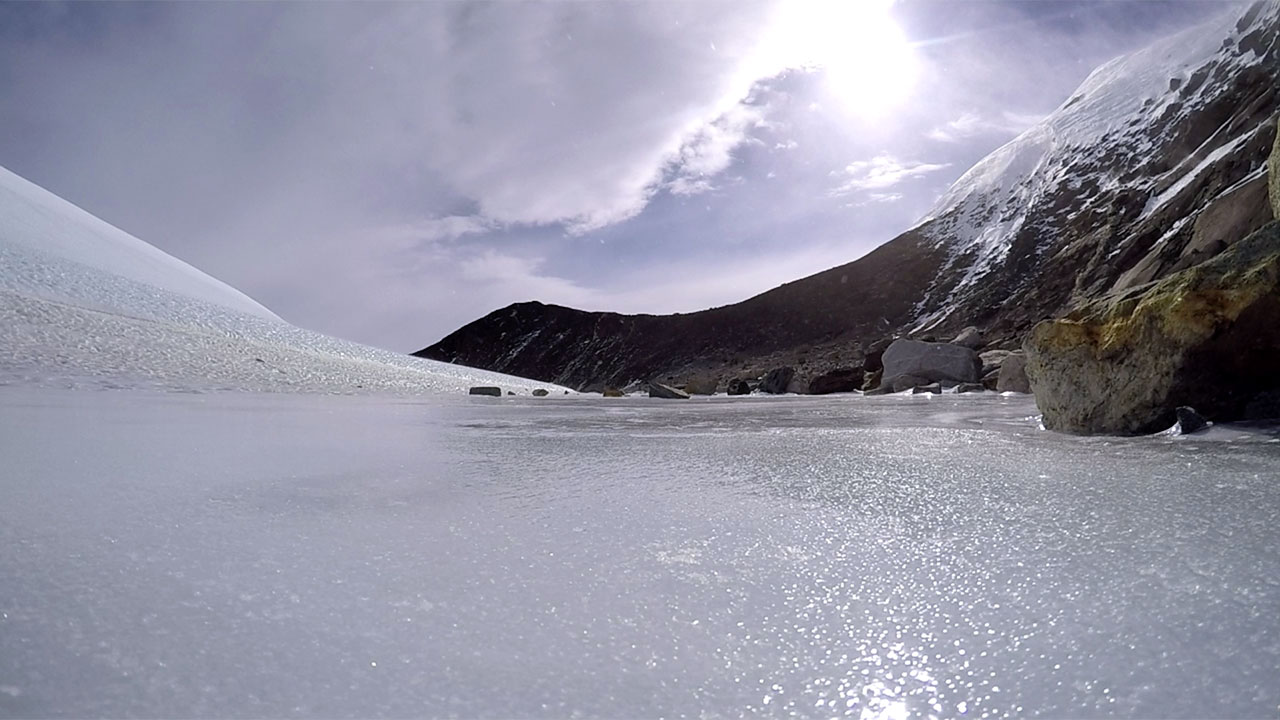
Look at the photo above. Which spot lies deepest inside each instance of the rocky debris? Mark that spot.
(929, 362)
(970, 388)
(971, 338)
(738, 386)
(777, 380)
(484, 390)
(1273, 174)
(1206, 337)
(1013, 374)
(701, 386)
(930, 389)
(1190, 421)
(540, 392)
(837, 381)
(666, 392)
(992, 360)
(612, 392)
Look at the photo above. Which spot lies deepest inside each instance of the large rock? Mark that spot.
(1206, 337)
(738, 386)
(777, 380)
(837, 381)
(971, 338)
(658, 390)
(1013, 375)
(931, 362)
(1273, 174)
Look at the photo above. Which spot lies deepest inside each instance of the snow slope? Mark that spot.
(82, 299)
(1146, 124)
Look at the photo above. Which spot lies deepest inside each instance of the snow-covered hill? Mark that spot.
(83, 301)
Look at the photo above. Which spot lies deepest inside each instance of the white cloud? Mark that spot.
(881, 172)
(971, 124)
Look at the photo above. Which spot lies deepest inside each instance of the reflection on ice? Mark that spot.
(837, 557)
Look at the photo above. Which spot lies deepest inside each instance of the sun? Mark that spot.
(866, 61)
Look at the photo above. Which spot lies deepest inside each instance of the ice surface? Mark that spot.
(82, 302)
(237, 555)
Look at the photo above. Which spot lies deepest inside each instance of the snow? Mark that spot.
(273, 555)
(83, 303)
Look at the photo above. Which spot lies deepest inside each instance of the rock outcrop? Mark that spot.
(930, 362)
(1206, 337)
(1273, 174)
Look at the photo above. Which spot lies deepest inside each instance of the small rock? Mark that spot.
(738, 386)
(613, 392)
(971, 338)
(658, 390)
(511, 392)
(701, 386)
(777, 380)
(991, 380)
(872, 380)
(931, 389)
(970, 388)
(540, 392)
(484, 390)
(1189, 421)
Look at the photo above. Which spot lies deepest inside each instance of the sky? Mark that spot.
(388, 172)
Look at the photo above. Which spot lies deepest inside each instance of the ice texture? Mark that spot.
(242, 555)
(82, 302)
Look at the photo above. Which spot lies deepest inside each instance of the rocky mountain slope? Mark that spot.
(1156, 163)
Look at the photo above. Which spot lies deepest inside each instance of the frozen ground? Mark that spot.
(237, 554)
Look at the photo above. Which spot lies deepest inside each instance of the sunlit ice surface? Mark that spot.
(868, 65)
(235, 554)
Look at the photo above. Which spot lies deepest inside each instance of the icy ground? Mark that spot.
(238, 554)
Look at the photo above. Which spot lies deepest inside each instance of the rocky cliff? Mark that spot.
(1155, 164)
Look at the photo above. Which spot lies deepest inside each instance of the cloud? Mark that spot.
(882, 172)
(710, 150)
(971, 124)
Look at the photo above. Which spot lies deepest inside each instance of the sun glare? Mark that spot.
(863, 55)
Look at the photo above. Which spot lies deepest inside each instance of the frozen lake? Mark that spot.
(235, 555)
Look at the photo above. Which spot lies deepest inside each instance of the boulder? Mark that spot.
(485, 390)
(971, 338)
(777, 380)
(970, 388)
(1206, 337)
(1273, 174)
(738, 386)
(907, 382)
(930, 362)
(613, 392)
(666, 392)
(540, 392)
(931, 389)
(1190, 421)
(837, 381)
(702, 386)
(992, 360)
(1013, 375)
